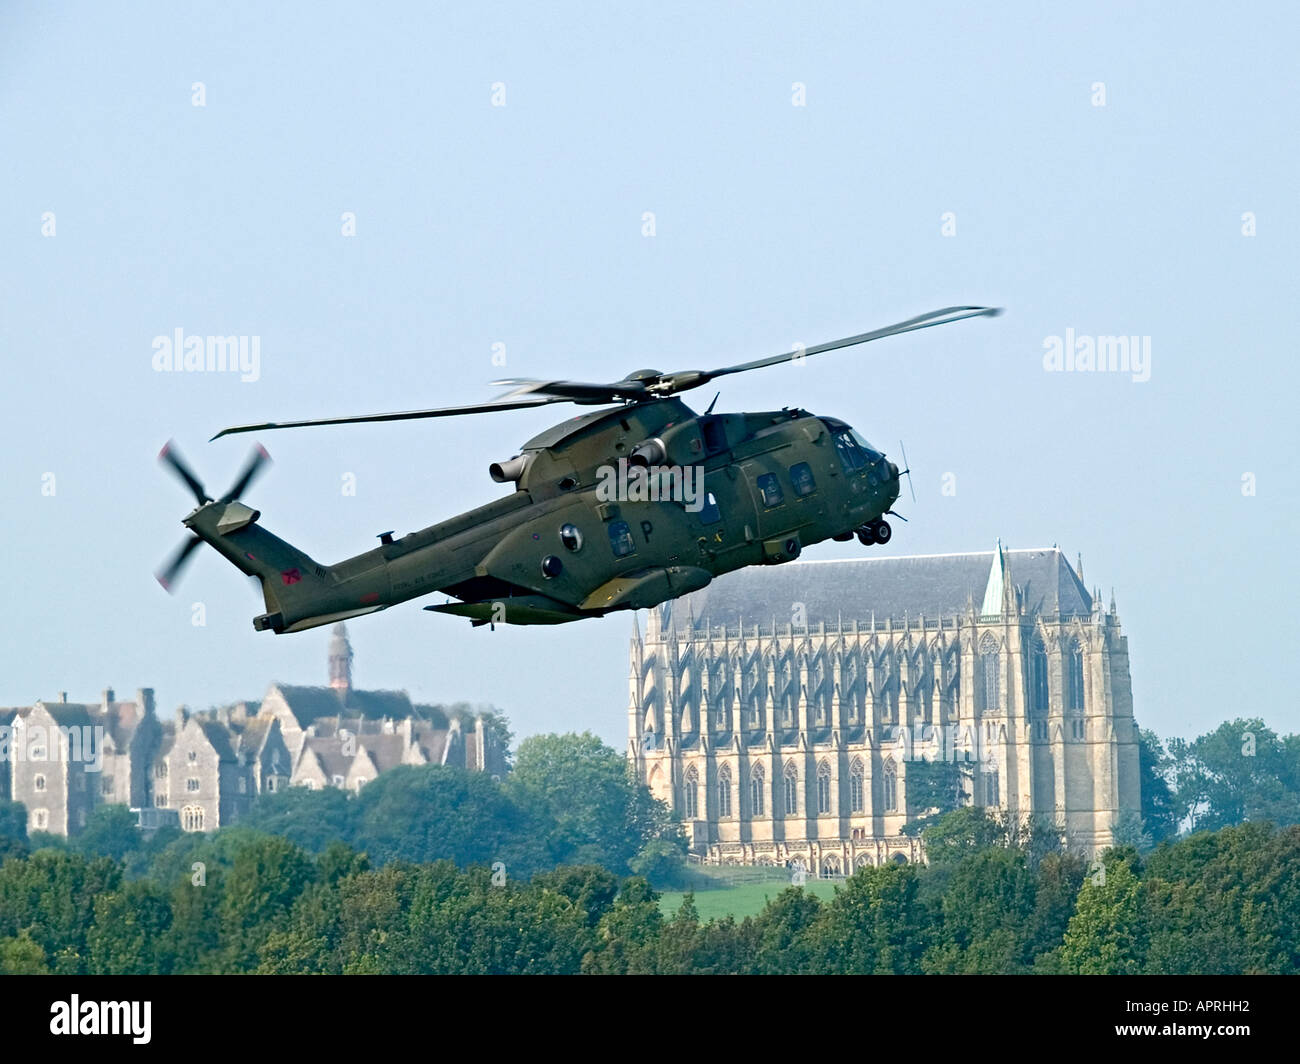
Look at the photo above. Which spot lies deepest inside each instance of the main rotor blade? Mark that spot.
(578, 391)
(169, 455)
(257, 461)
(923, 321)
(407, 415)
(170, 573)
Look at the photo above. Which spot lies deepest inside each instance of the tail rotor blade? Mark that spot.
(257, 461)
(168, 575)
(170, 456)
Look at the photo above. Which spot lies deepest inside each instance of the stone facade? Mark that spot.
(778, 710)
(202, 771)
(63, 758)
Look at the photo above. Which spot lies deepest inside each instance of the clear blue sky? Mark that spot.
(522, 225)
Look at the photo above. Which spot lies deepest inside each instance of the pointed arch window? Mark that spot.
(724, 791)
(691, 793)
(890, 787)
(1074, 673)
(756, 788)
(987, 687)
(823, 788)
(992, 790)
(1039, 694)
(856, 780)
(790, 791)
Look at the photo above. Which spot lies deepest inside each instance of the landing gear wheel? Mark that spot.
(883, 532)
(843, 537)
(866, 535)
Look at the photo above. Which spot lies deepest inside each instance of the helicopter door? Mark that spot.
(771, 495)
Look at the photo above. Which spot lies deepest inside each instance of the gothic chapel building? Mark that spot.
(778, 709)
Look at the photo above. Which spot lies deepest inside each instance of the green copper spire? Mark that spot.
(993, 591)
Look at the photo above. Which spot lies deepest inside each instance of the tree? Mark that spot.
(13, 829)
(129, 934)
(781, 934)
(110, 831)
(988, 911)
(308, 818)
(933, 789)
(960, 833)
(1159, 813)
(1242, 770)
(601, 815)
(627, 935)
(433, 812)
(267, 876)
(661, 862)
(1108, 933)
(877, 924)
(22, 955)
(52, 896)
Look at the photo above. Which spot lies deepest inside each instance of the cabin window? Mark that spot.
(801, 479)
(770, 488)
(710, 514)
(552, 567)
(620, 539)
(571, 537)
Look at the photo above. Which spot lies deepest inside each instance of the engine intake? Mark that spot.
(650, 453)
(509, 471)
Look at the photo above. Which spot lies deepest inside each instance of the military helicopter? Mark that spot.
(622, 508)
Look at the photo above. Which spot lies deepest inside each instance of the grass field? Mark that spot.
(745, 899)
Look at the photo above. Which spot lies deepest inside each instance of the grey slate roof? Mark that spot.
(70, 714)
(311, 703)
(936, 585)
(219, 737)
(308, 703)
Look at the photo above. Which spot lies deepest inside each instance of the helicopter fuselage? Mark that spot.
(621, 508)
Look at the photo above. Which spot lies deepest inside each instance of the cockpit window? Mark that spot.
(874, 454)
(855, 452)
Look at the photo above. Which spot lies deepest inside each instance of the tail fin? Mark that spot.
(299, 591)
